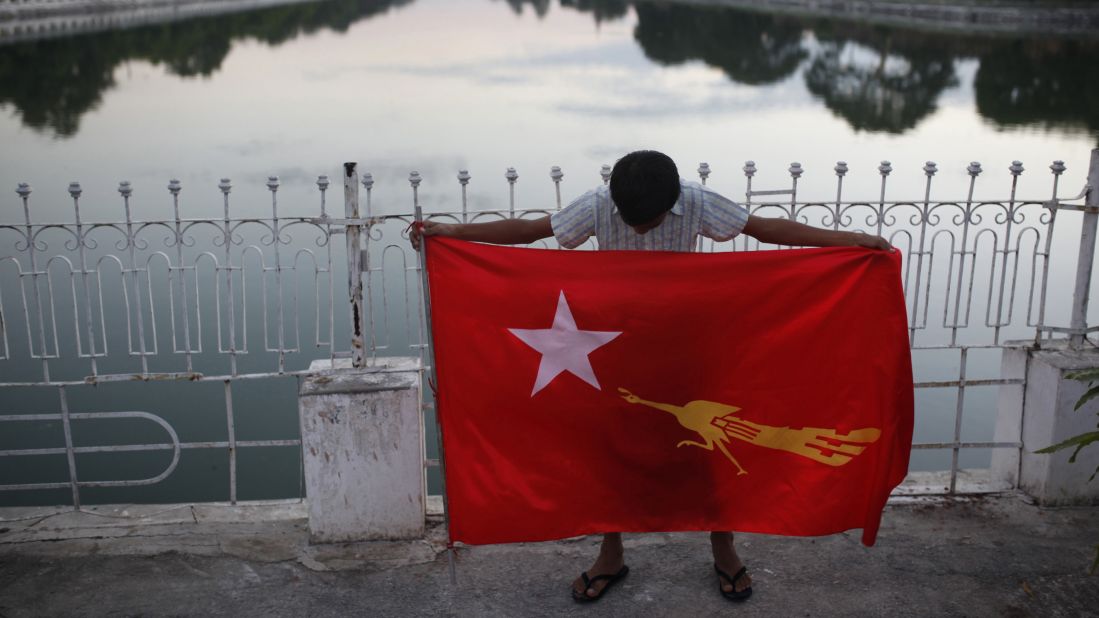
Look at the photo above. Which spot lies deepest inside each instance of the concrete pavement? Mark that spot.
(995, 555)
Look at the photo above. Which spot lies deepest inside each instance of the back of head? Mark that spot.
(644, 185)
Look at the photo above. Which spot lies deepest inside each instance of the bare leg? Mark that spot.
(726, 558)
(609, 562)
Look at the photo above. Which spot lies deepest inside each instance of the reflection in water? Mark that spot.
(882, 79)
(541, 7)
(602, 10)
(52, 83)
(876, 78)
(751, 48)
(1046, 83)
(891, 90)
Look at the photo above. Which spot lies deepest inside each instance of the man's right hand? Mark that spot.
(503, 232)
(430, 228)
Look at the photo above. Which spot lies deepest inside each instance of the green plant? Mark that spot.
(1091, 376)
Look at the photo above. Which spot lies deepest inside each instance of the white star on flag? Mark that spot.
(564, 347)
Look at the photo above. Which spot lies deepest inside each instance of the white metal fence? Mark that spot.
(226, 299)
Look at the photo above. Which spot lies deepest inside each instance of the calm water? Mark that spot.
(439, 85)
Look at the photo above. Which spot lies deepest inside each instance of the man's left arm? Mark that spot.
(787, 232)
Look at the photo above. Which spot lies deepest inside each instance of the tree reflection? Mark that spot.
(1050, 83)
(541, 7)
(751, 48)
(52, 83)
(882, 79)
(878, 85)
(602, 10)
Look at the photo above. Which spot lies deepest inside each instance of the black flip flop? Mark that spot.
(734, 594)
(582, 597)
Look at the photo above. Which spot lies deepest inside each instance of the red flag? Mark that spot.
(619, 391)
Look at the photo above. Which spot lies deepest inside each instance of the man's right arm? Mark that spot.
(505, 232)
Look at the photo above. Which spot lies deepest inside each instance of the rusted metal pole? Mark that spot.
(1086, 258)
(354, 260)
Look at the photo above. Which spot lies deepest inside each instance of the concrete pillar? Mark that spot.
(363, 450)
(1043, 409)
(1009, 413)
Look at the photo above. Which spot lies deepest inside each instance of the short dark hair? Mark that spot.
(644, 185)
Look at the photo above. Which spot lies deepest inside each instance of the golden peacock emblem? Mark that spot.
(717, 423)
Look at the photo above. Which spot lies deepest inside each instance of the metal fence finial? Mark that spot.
(841, 168)
(24, 189)
(795, 170)
(74, 189)
(885, 168)
(556, 175)
(463, 180)
(703, 171)
(1016, 168)
(226, 186)
(930, 168)
(322, 185)
(414, 179)
(273, 183)
(125, 188)
(974, 168)
(368, 184)
(749, 168)
(512, 176)
(605, 172)
(174, 187)
(1058, 168)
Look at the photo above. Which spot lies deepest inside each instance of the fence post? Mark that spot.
(354, 260)
(1086, 258)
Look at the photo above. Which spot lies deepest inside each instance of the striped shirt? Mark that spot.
(700, 211)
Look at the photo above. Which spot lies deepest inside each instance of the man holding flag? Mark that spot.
(647, 207)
